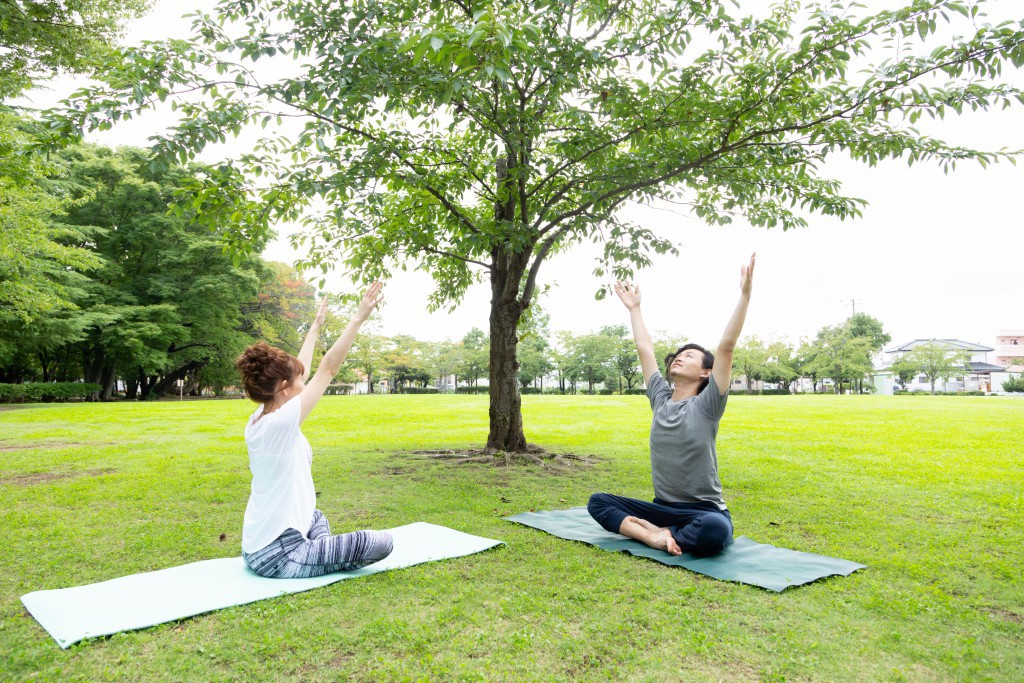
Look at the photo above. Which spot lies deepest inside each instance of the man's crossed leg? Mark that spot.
(696, 528)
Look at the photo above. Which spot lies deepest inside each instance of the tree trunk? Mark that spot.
(109, 380)
(163, 385)
(505, 412)
(44, 364)
(506, 417)
(93, 362)
(146, 388)
(131, 388)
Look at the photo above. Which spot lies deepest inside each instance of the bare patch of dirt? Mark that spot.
(1005, 614)
(47, 477)
(4, 448)
(340, 660)
(554, 463)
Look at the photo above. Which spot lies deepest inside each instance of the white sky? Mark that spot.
(933, 256)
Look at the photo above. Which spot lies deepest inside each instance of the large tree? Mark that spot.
(406, 363)
(625, 359)
(475, 356)
(840, 356)
(864, 326)
(41, 261)
(38, 259)
(477, 139)
(368, 354)
(165, 300)
(780, 368)
(936, 360)
(750, 359)
(443, 359)
(590, 358)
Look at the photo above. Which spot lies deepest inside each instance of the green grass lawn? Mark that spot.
(926, 491)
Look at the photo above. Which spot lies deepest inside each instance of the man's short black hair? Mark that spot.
(707, 364)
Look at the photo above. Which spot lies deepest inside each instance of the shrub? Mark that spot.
(45, 391)
(1014, 384)
(472, 390)
(530, 390)
(418, 390)
(919, 392)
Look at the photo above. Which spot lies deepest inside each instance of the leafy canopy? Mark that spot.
(41, 259)
(44, 37)
(482, 137)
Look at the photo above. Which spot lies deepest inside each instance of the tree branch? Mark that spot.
(464, 259)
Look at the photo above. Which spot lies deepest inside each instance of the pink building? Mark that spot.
(1010, 349)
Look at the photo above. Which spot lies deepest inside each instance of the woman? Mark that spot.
(284, 536)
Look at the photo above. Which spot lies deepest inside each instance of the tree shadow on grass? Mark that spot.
(552, 463)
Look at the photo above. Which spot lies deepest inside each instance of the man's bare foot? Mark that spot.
(670, 546)
(650, 534)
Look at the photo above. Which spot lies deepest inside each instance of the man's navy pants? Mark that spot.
(698, 528)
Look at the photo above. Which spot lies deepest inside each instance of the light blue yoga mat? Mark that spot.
(744, 560)
(141, 600)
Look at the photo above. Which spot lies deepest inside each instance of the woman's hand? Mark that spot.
(747, 276)
(630, 294)
(321, 313)
(373, 296)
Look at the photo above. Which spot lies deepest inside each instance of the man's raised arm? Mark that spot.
(630, 296)
(722, 369)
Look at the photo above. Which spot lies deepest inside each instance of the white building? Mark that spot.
(976, 373)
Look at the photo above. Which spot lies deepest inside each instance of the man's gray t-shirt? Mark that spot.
(684, 461)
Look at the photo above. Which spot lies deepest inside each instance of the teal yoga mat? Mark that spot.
(141, 600)
(744, 560)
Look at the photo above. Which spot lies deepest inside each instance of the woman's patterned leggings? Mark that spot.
(291, 556)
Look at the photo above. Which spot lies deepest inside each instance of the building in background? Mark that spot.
(1009, 351)
(975, 375)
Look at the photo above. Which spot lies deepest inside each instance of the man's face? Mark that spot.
(688, 364)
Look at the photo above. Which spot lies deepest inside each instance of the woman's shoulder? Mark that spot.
(285, 416)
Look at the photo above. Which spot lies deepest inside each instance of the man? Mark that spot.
(688, 513)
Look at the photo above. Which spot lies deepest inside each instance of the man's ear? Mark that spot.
(705, 373)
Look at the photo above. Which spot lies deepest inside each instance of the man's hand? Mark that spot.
(747, 276)
(373, 296)
(630, 294)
